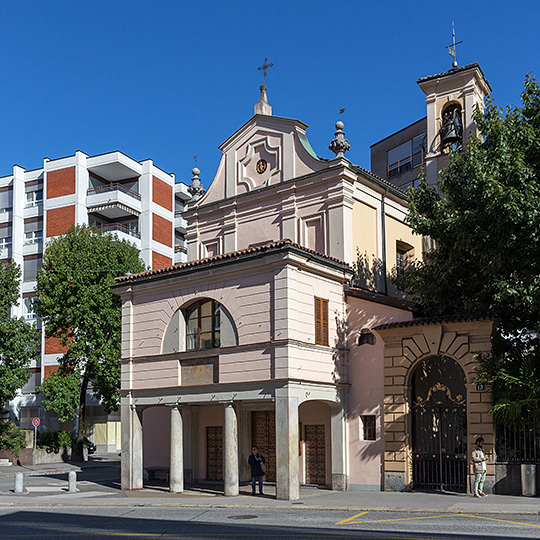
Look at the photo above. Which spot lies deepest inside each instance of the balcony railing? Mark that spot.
(118, 227)
(178, 248)
(115, 186)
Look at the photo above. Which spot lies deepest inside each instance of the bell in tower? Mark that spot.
(452, 127)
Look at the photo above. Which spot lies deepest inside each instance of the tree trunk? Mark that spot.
(78, 451)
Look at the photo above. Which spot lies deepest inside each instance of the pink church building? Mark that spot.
(261, 338)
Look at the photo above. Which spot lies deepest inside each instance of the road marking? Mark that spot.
(503, 521)
(349, 520)
(399, 519)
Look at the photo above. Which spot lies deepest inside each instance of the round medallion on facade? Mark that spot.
(261, 166)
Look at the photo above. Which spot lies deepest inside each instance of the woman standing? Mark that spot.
(256, 462)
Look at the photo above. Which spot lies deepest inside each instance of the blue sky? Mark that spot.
(170, 79)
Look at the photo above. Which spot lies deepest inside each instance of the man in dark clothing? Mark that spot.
(256, 462)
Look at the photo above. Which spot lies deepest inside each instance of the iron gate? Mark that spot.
(440, 454)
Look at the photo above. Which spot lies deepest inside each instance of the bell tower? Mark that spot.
(451, 99)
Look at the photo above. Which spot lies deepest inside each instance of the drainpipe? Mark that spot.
(383, 232)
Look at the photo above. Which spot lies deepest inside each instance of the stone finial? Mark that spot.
(339, 144)
(263, 107)
(196, 189)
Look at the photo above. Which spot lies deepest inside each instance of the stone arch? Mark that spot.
(406, 345)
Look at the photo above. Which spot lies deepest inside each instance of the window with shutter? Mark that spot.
(321, 321)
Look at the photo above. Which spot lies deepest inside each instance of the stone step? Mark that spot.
(5, 463)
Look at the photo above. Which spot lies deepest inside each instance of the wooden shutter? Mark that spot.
(321, 321)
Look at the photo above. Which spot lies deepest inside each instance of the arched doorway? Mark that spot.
(439, 425)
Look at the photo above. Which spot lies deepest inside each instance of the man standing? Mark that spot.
(479, 468)
(256, 462)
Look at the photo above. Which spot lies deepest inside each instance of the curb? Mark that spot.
(291, 506)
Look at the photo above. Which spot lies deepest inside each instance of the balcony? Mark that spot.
(180, 223)
(122, 232)
(180, 253)
(113, 201)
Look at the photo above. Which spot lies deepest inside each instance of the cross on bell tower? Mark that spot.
(452, 48)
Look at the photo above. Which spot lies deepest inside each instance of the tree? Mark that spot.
(79, 308)
(18, 340)
(486, 232)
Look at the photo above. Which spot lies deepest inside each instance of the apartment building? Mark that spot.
(137, 201)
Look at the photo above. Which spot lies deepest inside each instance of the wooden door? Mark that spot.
(214, 453)
(263, 436)
(315, 447)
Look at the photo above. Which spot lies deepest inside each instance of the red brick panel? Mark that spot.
(50, 369)
(162, 230)
(162, 193)
(160, 261)
(53, 346)
(60, 182)
(59, 220)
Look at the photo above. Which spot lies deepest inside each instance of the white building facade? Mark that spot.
(136, 201)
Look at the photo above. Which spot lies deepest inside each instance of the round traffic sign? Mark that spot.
(35, 422)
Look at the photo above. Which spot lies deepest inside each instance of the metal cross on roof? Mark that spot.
(265, 67)
(452, 48)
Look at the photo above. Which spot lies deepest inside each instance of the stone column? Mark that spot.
(338, 427)
(287, 484)
(176, 472)
(231, 452)
(136, 449)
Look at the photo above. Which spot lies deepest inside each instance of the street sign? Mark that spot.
(35, 422)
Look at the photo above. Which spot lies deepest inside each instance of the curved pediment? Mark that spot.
(265, 151)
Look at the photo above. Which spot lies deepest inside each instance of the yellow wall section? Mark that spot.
(364, 230)
(399, 231)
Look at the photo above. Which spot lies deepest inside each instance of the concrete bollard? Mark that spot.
(19, 487)
(72, 481)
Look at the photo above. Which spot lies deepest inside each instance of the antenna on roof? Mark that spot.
(452, 48)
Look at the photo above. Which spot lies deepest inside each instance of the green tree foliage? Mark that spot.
(18, 340)
(11, 437)
(486, 260)
(78, 306)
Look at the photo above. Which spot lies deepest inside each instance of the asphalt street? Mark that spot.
(48, 523)
(100, 509)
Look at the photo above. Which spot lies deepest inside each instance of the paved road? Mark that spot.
(116, 523)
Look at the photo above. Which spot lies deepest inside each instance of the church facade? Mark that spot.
(264, 338)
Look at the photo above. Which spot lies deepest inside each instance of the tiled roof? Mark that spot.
(373, 176)
(232, 256)
(426, 321)
(451, 72)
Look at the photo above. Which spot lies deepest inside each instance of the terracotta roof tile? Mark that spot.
(239, 254)
(425, 321)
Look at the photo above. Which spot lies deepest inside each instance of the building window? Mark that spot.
(33, 237)
(28, 308)
(5, 242)
(369, 429)
(203, 325)
(406, 156)
(321, 321)
(404, 255)
(34, 198)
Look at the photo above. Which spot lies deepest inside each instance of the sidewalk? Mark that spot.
(50, 489)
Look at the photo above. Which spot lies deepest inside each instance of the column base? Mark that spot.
(340, 482)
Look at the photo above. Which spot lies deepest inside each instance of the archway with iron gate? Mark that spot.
(439, 425)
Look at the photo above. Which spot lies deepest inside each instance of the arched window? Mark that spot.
(203, 325)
